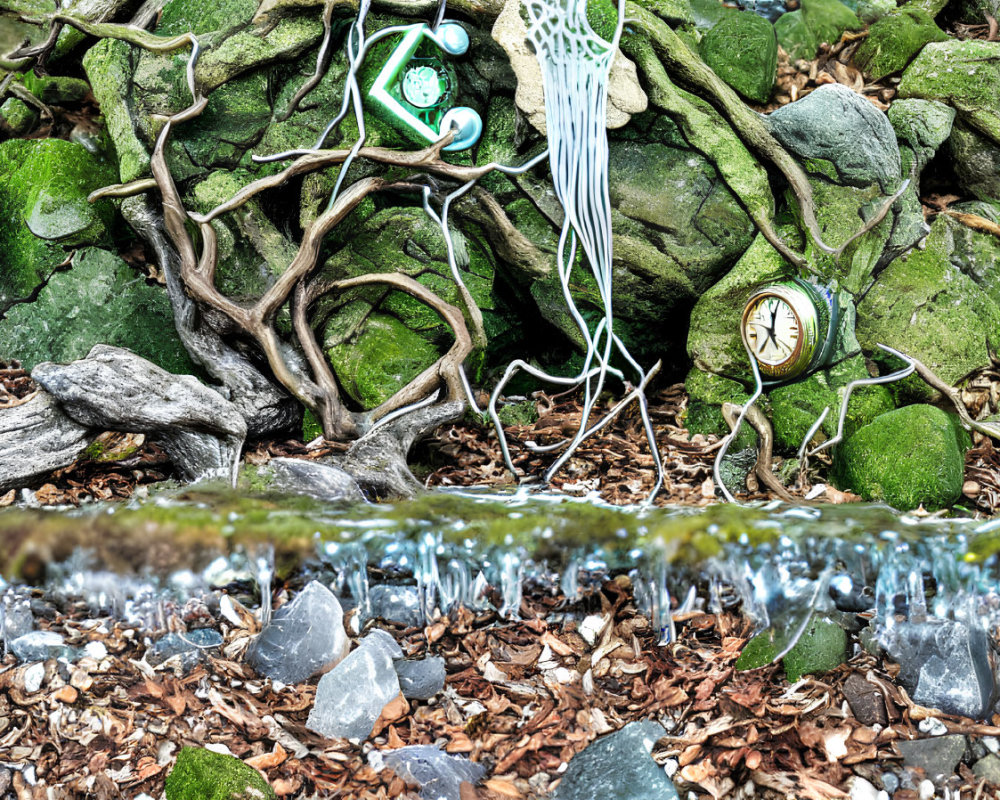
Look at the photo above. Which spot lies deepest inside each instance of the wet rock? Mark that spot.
(866, 701)
(625, 95)
(322, 481)
(908, 457)
(190, 647)
(938, 756)
(944, 664)
(306, 636)
(924, 306)
(351, 696)
(743, 51)
(41, 646)
(439, 775)
(635, 776)
(837, 133)
(988, 768)
(36, 437)
(99, 300)
(421, 680)
(894, 40)
(113, 389)
(201, 774)
(396, 604)
(44, 185)
(964, 74)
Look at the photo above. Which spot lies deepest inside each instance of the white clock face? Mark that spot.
(773, 331)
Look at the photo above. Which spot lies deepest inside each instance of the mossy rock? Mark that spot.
(19, 117)
(964, 74)
(714, 343)
(743, 50)
(709, 13)
(795, 407)
(201, 774)
(795, 36)
(828, 19)
(44, 185)
(52, 89)
(822, 647)
(894, 40)
(976, 160)
(99, 300)
(926, 307)
(924, 125)
(909, 457)
(975, 252)
(706, 394)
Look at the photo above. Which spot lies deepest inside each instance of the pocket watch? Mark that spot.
(415, 87)
(789, 327)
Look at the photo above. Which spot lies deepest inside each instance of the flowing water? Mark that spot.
(778, 562)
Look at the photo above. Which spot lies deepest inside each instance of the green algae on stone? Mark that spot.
(743, 51)
(44, 185)
(714, 342)
(894, 40)
(828, 19)
(52, 89)
(99, 300)
(922, 124)
(822, 647)
(19, 117)
(964, 74)
(109, 65)
(706, 394)
(909, 457)
(976, 160)
(379, 358)
(795, 36)
(924, 306)
(201, 774)
(796, 406)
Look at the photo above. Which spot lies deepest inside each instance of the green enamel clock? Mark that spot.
(789, 328)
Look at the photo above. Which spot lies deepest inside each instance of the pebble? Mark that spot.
(67, 694)
(33, 677)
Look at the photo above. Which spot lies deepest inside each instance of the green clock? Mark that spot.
(789, 328)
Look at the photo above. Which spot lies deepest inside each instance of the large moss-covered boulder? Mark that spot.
(43, 209)
(964, 74)
(894, 40)
(909, 457)
(98, 300)
(925, 306)
(201, 774)
(743, 51)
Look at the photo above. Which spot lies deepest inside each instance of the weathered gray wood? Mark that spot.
(114, 389)
(267, 408)
(36, 437)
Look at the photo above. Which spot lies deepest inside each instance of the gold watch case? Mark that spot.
(786, 327)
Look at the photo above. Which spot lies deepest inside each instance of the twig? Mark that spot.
(974, 221)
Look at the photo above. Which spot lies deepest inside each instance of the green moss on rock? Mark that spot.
(795, 36)
(924, 306)
(909, 457)
(44, 185)
(743, 51)
(99, 300)
(19, 117)
(976, 159)
(894, 40)
(828, 19)
(201, 774)
(964, 74)
(796, 406)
